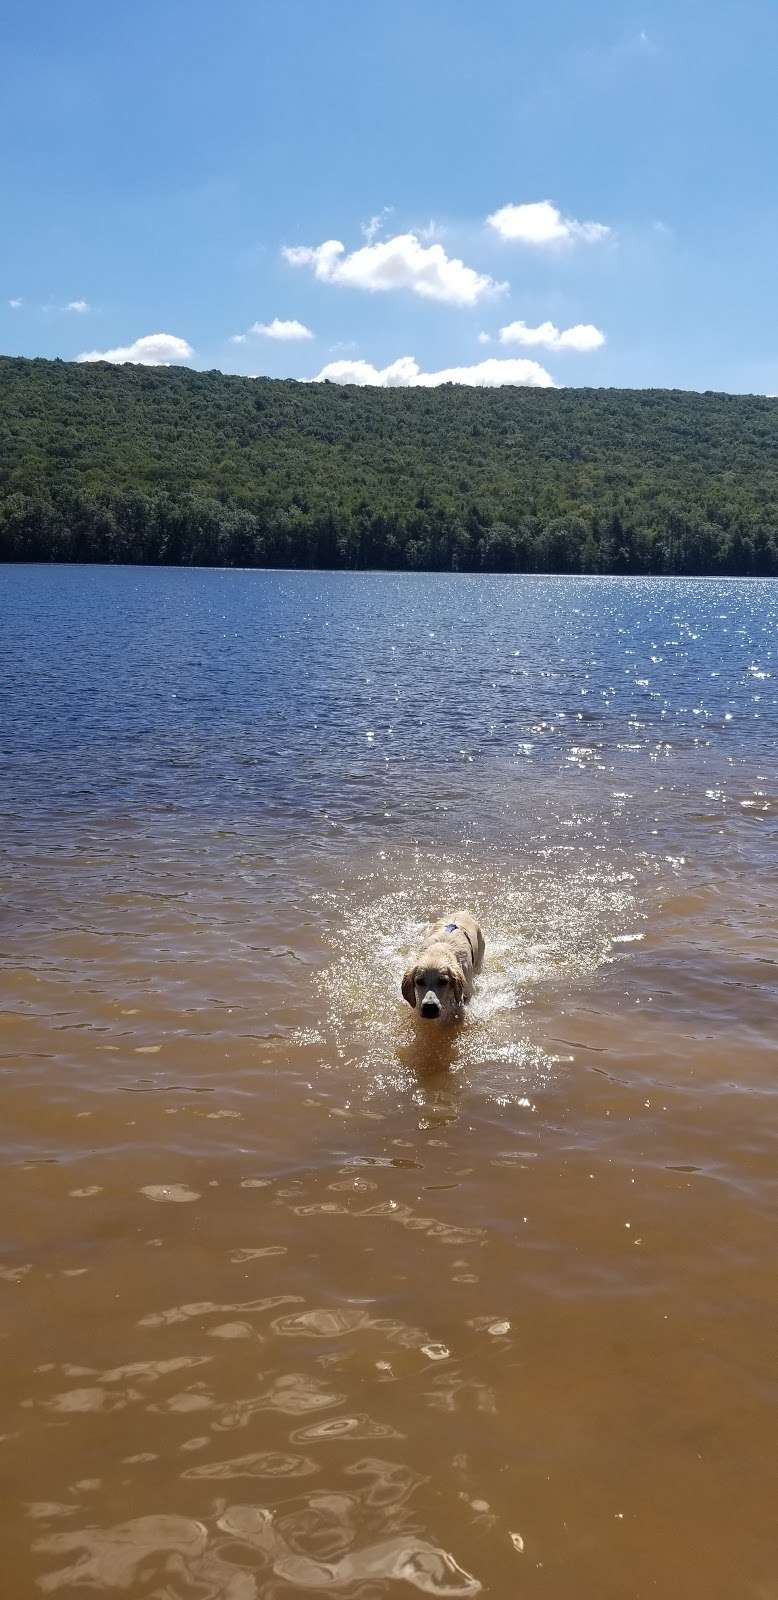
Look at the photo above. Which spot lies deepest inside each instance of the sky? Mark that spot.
(395, 193)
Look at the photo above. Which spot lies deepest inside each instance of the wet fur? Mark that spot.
(452, 950)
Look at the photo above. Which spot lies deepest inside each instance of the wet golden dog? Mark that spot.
(440, 980)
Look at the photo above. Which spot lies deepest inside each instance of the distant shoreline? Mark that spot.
(396, 572)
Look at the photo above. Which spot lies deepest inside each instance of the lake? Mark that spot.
(298, 1296)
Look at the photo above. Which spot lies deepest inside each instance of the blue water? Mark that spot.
(357, 702)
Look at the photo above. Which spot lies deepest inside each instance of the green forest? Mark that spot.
(165, 465)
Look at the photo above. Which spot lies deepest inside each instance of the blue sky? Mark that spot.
(160, 158)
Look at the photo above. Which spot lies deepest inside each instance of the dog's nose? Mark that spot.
(430, 1008)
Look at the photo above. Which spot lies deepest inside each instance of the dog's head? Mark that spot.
(436, 984)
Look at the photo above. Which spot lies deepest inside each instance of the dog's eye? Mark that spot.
(442, 981)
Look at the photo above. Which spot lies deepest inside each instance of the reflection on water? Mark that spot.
(299, 1294)
(247, 1544)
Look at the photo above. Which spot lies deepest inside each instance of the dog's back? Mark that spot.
(464, 924)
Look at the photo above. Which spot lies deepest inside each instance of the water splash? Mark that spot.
(546, 921)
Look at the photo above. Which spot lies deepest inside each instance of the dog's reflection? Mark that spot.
(428, 1056)
(431, 1052)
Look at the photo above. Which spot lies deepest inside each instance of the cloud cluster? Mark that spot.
(416, 263)
(406, 373)
(153, 350)
(402, 262)
(582, 337)
(541, 223)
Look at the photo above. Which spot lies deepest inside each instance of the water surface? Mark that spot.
(298, 1296)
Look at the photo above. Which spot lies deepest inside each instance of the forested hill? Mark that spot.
(151, 464)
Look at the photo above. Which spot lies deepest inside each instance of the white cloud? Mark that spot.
(16, 303)
(584, 336)
(484, 338)
(277, 329)
(153, 350)
(406, 373)
(79, 306)
(541, 223)
(399, 263)
(322, 257)
(370, 230)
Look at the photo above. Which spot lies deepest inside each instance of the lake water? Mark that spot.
(298, 1296)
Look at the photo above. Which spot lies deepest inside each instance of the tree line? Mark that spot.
(152, 465)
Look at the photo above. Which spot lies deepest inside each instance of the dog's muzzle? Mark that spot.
(430, 1008)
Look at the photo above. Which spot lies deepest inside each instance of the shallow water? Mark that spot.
(298, 1295)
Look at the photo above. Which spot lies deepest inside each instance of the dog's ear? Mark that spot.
(409, 986)
(456, 978)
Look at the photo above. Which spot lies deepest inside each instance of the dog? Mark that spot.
(440, 980)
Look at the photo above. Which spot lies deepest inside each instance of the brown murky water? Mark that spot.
(298, 1296)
